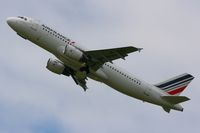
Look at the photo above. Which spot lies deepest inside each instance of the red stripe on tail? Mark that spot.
(179, 90)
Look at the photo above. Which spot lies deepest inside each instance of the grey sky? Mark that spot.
(34, 100)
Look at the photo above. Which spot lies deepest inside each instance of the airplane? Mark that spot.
(80, 63)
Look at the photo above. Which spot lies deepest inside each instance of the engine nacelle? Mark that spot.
(57, 67)
(74, 53)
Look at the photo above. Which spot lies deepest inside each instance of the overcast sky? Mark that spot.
(34, 100)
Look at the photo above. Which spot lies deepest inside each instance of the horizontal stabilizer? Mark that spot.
(175, 99)
(166, 109)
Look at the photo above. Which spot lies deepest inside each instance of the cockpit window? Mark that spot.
(24, 18)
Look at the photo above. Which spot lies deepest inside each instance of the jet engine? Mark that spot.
(74, 53)
(58, 67)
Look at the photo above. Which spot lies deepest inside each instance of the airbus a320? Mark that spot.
(80, 63)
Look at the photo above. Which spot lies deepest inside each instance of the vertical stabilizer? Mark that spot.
(176, 85)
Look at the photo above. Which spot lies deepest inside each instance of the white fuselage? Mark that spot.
(109, 73)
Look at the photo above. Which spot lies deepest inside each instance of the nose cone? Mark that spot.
(11, 21)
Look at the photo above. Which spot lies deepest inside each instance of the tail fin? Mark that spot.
(176, 85)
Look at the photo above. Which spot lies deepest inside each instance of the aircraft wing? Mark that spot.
(98, 57)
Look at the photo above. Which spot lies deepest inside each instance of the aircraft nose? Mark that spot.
(11, 22)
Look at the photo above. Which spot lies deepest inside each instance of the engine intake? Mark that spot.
(57, 67)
